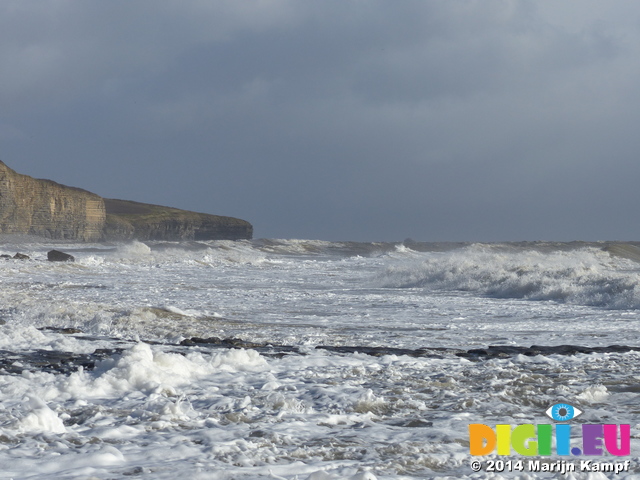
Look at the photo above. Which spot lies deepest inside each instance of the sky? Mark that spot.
(367, 120)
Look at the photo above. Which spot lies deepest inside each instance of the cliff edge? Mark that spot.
(48, 209)
(127, 220)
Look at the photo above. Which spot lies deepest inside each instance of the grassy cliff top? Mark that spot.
(137, 211)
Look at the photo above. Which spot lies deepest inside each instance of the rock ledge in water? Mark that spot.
(58, 256)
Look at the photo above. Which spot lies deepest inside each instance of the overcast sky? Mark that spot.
(461, 120)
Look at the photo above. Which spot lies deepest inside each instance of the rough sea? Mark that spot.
(309, 360)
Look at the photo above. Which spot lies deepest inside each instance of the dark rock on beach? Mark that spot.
(17, 256)
(16, 362)
(497, 351)
(51, 361)
(58, 256)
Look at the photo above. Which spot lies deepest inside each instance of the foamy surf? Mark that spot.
(586, 276)
(302, 359)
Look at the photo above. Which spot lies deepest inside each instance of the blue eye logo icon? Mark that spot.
(563, 412)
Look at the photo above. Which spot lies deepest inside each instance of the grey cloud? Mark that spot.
(334, 119)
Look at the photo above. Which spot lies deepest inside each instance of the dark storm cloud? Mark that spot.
(439, 120)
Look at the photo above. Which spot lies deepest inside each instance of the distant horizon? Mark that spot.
(8, 238)
(410, 239)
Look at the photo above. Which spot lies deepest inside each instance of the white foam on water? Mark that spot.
(40, 418)
(587, 276)
(163, 411)
(316, 416)
(133, 250)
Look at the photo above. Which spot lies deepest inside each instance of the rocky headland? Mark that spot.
(127, 220)
(47, 209)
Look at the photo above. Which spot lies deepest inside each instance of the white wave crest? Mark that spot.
(587, 276)
(133, 250)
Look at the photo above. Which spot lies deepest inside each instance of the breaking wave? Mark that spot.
(586, 276)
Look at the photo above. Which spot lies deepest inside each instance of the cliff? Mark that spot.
(128, 220)
(48, 209)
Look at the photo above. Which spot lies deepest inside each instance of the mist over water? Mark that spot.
(167, 359)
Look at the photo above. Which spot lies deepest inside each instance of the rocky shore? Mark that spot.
(48, 209)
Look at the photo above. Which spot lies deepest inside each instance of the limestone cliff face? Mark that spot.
(48, 209)
(127, 220)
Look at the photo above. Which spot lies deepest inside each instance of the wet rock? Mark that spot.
(411, 423)
(50, 361)
(382, 351)
(266, 349)
(58, 256)
(62, 330)
(17, 256)
(222, 342)
(503, 351)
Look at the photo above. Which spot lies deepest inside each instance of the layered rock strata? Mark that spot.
(127, 220)
(48, 209)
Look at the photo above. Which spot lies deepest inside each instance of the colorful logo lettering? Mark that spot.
(530, 439)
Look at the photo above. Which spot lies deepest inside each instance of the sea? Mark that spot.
(313, 360)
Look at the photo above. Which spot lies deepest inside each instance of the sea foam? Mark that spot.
(96, 381)
(587, 276)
